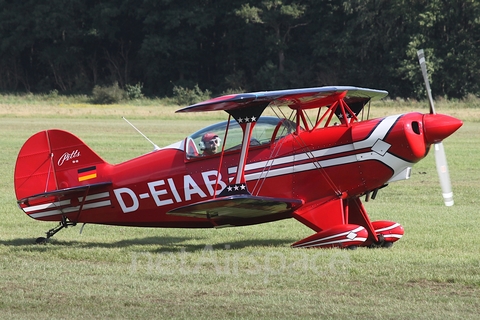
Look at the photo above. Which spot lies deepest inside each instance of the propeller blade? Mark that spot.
(443, 175)
(423, 66)
(440, 158)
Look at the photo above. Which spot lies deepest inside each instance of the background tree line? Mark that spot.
(219, 45)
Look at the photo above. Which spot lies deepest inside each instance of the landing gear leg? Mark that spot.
(50, 233)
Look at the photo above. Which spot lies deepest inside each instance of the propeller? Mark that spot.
(440, 158)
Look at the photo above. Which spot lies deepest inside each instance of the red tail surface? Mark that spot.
(54, 160)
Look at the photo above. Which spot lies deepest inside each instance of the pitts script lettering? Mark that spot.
(67, 156)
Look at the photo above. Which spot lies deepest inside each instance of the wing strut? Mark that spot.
(246, 118)
(221, 155)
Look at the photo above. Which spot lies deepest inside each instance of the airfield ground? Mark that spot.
(433, 272)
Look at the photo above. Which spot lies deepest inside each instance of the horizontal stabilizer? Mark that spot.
(237, 206)
(50, 205)
(59, 193)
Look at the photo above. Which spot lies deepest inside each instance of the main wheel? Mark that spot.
(387, 244)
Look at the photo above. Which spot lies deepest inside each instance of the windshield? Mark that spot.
(210, 140)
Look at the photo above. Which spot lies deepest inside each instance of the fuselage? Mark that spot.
(328, 162)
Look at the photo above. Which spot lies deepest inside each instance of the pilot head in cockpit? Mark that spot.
(210, 143)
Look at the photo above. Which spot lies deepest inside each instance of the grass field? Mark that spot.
(250, 272)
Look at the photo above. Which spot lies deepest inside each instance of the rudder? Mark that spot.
(53, 160)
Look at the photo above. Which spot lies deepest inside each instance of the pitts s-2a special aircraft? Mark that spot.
(312, 165)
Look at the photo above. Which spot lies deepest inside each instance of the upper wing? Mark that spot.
(295, 98)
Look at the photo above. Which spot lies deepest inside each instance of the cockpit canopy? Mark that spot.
(265, 131)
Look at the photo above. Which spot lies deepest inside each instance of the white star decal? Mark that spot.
(229, 189)
(254, 119)
(242, 187)
(246, 119)
(236, 188)
(240, 120)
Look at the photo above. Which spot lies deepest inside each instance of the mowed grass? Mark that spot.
(249, 272)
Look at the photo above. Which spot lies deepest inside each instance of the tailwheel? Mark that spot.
(64, 223)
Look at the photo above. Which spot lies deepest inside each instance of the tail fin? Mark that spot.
(55, 160)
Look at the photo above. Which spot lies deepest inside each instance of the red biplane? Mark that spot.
(313, 164)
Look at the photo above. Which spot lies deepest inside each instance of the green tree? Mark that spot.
(278, 16)
(40, 43)
(449, 32)
(373, 43)
(239, 45)
(174, 41)
(114, 37)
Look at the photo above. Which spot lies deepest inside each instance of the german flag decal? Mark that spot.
(87, 173)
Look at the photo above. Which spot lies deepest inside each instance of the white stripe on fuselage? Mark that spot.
(378, 133)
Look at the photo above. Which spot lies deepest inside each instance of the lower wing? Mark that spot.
(237, 206)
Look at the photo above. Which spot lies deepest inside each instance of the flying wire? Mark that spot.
(155, 147)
